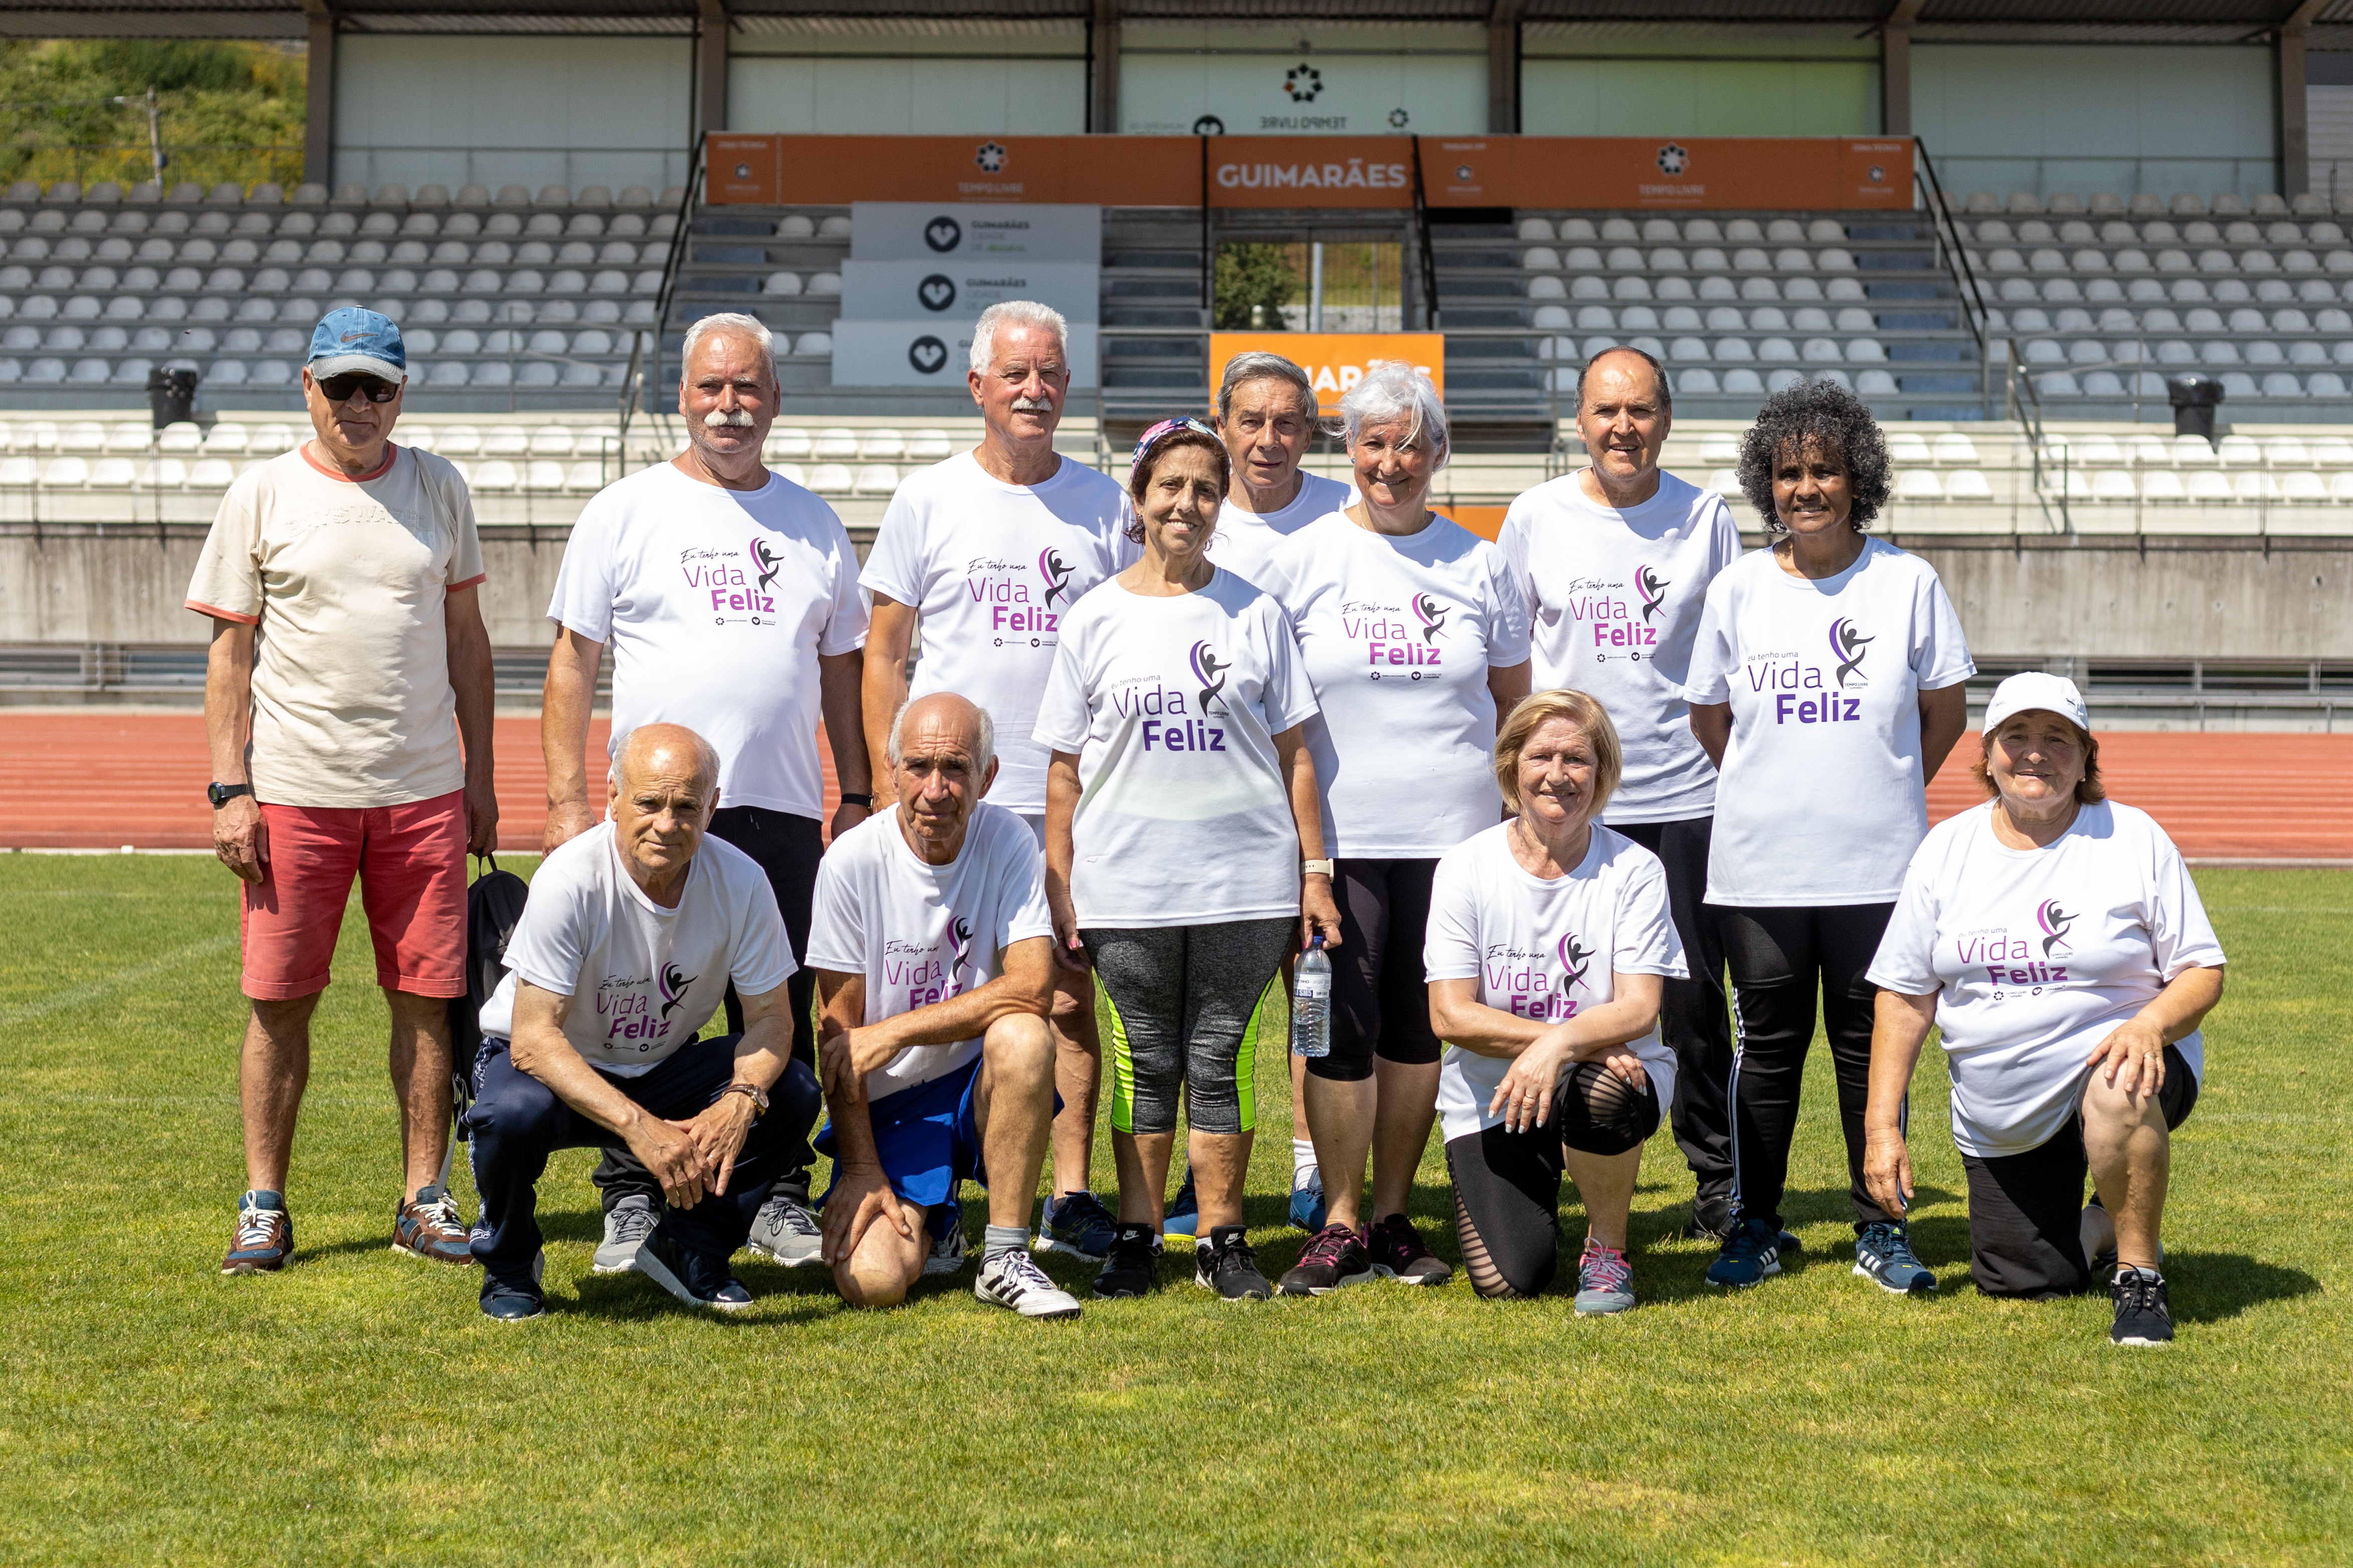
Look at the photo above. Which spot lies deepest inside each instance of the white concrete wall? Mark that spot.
(1369, 78)
(467, 109)
(2083, 118)
(1698, 97)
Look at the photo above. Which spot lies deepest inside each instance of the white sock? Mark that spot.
(1302, 1163)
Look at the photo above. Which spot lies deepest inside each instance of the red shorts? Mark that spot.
(411, 863)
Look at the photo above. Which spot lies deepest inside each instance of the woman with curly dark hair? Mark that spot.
(1827, 686)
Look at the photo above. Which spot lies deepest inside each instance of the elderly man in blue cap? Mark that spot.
(348, 661)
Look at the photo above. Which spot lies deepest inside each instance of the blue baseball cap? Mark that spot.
(351, 339)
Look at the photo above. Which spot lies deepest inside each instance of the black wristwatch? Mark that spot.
(848, 798)
(220, 794)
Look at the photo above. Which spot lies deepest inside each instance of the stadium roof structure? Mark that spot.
(2325, 23)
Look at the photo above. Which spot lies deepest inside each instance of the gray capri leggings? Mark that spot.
(1185, 1010)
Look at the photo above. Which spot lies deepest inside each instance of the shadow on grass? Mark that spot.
(2210, 1287)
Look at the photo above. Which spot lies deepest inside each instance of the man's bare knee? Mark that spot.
(872, 1282)
(279, 1017)
(1018, 1048)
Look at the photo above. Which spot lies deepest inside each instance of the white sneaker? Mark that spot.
(785, 1232)
(1012, 1279)
(947, 1254)
(631, 1219)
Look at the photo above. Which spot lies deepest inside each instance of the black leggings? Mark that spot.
(1184, 1002)
(787, 848)
(1779, 957)
(1380, 997)
(1692, 1018)
(1507, 1184)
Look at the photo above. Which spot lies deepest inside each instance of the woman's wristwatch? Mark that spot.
(1315, 868)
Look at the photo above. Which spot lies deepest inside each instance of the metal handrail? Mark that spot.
(675, 263)
(1940, 214)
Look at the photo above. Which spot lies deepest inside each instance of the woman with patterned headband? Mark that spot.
(1416, 637)
(1180, 807)
(2055, 938)
(1826, 685)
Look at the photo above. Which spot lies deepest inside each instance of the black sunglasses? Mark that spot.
(338, 388)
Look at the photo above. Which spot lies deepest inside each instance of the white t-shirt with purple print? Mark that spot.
(1823, 796)
(1398, 634)
(2036, 956)
(921, 933)
(992, 569)
(1545, 950)
(1172, 705)
(717, 604)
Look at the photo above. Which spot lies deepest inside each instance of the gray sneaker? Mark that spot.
(947, 1254)
(786, 1232)
(1605, 1280)
(628, 1222)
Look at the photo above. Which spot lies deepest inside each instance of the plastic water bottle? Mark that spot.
(1311, 1003)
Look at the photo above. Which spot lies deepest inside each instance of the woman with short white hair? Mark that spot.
(1416, 637)
(2054, 937)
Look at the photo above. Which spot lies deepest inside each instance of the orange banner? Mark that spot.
(1334, 361)
(1800, 173)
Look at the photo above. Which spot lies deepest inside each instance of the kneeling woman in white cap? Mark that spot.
(1549, 945)
(2055, 938)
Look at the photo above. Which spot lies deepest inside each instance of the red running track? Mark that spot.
(139, 779)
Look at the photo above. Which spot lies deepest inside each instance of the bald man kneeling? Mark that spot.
(632, 935)
(933, 948)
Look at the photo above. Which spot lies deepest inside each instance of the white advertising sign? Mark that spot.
(928, 354)
(973, 233)
(958, 289)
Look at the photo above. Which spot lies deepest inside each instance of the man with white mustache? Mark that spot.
(987, 552)
(730, 597)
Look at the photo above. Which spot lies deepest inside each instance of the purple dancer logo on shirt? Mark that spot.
(962, 930)
(674, 982)
(1574, 961)
(1057, 573)
(2054, 922)
(1848, 646)
(1432, 615)
(765, 561)
(1210, 672)
(1653, 589)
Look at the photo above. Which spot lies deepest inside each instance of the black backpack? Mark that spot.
(493, 906)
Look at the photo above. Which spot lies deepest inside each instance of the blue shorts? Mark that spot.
(929, 1140)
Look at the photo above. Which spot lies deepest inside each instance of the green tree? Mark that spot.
(228, 111)
(1254, 282)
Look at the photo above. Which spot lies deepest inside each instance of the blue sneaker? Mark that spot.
(1075, 1225)
(1750, 1256)
(1884, 1253)
(515, 1300)
(1184, 1217)
(1308, 1205)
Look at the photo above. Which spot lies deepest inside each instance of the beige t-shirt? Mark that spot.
(345, 580)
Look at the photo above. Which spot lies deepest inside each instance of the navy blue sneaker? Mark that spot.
(1883, 1254)
(697, 1280)
(1750, 1256)
(1184, 1216)
(1307, 1204)
(515, 1300)
(1075, 1225)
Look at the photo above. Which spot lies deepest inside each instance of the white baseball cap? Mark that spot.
(2024, 693)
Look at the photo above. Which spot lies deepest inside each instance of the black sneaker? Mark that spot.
(2143, 1318)
(697, 1280)
(1338, 1257)
(1127, 1268)
(1226, 1264)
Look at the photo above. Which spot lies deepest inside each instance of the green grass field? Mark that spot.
(358, 1409)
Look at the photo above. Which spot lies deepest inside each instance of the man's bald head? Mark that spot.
(1630, 364)
(665, 751)
(966, 720)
